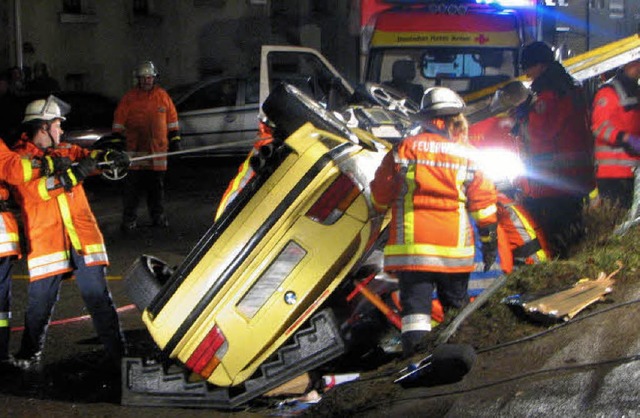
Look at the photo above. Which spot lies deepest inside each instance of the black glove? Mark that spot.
(50, 165)
(489, 240)
(115, 158)
(77, 173)
(120, 159)
(174, 143)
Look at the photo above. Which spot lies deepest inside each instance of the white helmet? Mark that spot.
(146, 69)
(50, 109)
(441, 101)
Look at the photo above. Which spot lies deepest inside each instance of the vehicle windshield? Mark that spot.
(464, 70)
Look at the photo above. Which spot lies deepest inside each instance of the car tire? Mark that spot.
(144, 279)
(289, 108)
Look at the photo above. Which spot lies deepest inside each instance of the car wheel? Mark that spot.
(144, 279)
(289, 108)
(114, 142)
(391, 100)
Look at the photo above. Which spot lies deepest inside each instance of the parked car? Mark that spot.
(220, 113)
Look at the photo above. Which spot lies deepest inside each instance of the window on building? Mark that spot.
(616, 9)
(72, 6)
(141, 7)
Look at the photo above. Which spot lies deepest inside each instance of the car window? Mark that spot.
(252, 93)
(216, 94)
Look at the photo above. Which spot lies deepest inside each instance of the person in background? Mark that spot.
(552, 127)
(432, 186)
(62, 233)
(615, 123)
(147, 118)
(42, 82)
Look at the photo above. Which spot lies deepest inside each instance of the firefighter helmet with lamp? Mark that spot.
(47, 109)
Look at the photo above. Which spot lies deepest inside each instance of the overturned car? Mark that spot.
(268, 292)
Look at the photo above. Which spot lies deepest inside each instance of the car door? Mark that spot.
(216, 118)
(306, 69)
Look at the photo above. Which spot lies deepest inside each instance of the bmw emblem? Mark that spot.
(290, 298)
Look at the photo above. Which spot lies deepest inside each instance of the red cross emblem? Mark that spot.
(481, 39)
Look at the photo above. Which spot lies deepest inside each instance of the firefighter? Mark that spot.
(245, 170)
(147, 118)
(432, 186)
(63, 235)
(557, 148)
(15, 170)
(615, 123)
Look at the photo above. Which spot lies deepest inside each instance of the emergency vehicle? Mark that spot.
(462, 45)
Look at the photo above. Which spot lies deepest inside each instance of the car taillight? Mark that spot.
(334, 201)
(209, 353)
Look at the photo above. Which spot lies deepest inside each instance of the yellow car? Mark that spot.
(244, 311)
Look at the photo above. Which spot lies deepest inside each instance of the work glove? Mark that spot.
(489, 241)
(174, 143)
(633, 144)
(77, 173)
(50, 165)
(114, 158)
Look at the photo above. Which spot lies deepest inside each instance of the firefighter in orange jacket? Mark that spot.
(557, 148)
(15, 170)
(63, 235)
(432, 186)
(245, 171)
(615, 123)
(148, 119)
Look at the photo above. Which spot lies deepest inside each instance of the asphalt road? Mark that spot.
(70, 386)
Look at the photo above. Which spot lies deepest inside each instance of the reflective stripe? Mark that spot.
(65, 212)
(625, 100)
(416, 322)
(10, 247)
(117, 127)
(427, 261)
(95, 253)
(4, 319)
(173, 126)
(48, 259)
(429, 249)
(531, 247)
(44, 185)
(484, 213)
(27, 169)
(240, 180)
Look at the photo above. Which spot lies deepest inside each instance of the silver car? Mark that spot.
(218, 115)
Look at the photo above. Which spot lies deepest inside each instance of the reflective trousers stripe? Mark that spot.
(416, 322)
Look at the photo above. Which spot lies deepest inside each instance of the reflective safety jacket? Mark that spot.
(56, 220)
(557, 146)
(432, 187)
(147, 119)
(14, 170)
(526, 240)
(616, 111)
